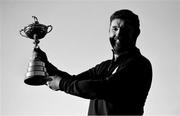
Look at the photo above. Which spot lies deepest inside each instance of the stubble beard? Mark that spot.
(116, 45)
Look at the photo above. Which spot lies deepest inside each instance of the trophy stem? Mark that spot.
(36, 41)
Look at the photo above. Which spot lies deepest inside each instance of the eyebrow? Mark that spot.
(115, 26)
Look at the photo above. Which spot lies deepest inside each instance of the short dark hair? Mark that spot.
(127, 15)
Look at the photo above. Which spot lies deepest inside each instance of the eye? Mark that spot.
(114, 28)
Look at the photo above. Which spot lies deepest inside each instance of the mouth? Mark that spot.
(115, 41)
(117, 45)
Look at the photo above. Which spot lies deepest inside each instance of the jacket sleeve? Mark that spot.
(128, 81)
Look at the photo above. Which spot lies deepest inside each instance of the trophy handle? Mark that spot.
(50, 28)
(24, 35)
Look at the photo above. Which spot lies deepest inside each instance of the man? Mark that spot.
(115, 87)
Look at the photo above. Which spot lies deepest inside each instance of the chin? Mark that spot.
(119, 49)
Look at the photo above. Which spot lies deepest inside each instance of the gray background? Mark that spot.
(79, 41)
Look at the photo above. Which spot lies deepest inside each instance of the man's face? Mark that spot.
(121, 35)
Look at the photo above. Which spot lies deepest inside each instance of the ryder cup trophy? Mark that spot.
(36, 73)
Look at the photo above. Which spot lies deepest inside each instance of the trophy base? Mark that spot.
(36, 80)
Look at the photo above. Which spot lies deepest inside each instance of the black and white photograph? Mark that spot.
(89, 57)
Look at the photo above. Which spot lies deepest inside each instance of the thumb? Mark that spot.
(38, 50)
(49, 78)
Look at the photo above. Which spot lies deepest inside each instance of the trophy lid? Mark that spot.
(35, 30)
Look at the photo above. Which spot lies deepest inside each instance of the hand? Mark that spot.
(53, 82)
(41, 55)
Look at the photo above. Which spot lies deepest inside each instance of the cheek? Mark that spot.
(131, 33)
(111, 34)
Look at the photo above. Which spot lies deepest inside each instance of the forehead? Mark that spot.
(117, 22)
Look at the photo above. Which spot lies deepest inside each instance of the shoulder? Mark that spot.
(143, 65)
(138, 62)
(103, 64)
(142, 60)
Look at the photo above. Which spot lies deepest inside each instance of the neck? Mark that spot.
(119, 53)
(116, 56)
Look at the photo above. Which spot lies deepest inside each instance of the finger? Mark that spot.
(49, 85)
(37, 49)
(49, 78)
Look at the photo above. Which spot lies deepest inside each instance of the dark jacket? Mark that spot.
(114, 87)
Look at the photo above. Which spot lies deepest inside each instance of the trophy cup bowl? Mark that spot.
(37, 29)
(36, 73)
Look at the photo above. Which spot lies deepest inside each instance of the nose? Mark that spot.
(121, 32)
(118, 32)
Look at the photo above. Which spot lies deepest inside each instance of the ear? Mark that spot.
(137, 32)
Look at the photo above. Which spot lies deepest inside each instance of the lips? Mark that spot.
(112, 41)
(115, 41)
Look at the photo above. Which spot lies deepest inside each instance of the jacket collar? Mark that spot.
(126, 54)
